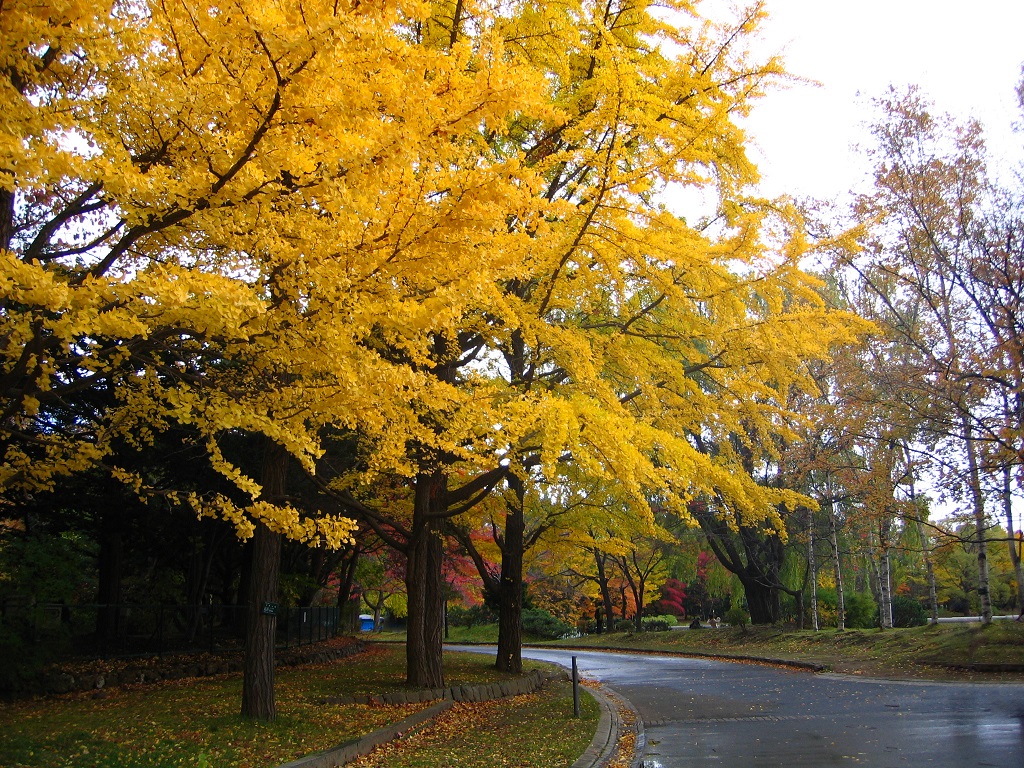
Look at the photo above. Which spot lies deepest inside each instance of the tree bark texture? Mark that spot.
(762, 601)
(510, 589)
(258, 696)
(755, 557)
(424, 584)
(601, 558)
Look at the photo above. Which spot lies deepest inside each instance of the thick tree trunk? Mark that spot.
(510, 588)
(424, 585)
(606, 591)
(258, 699)
(639, 598)
(762, 601)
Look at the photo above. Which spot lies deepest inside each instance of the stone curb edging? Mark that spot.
(444, 698)
(609, 730)
(350, 750)
(528, 683)
(606, 737)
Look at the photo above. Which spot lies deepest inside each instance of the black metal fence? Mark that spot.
(107, 631)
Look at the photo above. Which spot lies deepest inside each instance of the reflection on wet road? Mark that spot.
(699, 712)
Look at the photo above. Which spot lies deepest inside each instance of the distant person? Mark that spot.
(695, 624)
(714, 622)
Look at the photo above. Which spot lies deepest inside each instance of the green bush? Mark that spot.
(654, 624)
(737, 617)
(625, 625)
(540, 623)
(908, 612)
(471, 617)
(861, 610)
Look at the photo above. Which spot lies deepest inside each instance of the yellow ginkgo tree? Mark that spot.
(211, 215)
(634, 343)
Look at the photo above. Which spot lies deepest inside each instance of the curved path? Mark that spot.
(699, 712)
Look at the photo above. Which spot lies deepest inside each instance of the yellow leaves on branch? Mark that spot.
(269, 217)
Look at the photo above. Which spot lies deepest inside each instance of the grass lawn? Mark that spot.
(196, 722)
(533, 730)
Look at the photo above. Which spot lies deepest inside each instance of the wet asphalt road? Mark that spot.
(700, 713)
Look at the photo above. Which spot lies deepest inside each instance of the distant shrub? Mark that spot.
(625, 625)
(737, 617)
(654, 624)
(861, 610)
(471, 617)
(540, 623)
(908, 612)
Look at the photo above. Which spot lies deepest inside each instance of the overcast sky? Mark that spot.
(966, 56)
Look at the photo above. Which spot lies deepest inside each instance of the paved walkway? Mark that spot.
(699, 712)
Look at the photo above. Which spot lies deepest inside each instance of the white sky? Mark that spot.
(965, 56)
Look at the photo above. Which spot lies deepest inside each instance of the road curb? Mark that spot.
(606, 737)
(350, 750)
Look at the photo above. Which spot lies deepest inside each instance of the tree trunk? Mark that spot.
(510, 588)
(1015, 557)
(606, 591)
(884, 579)
(762, 601)
(812, 566)
(884, 588)
(872, 571)
(926, 545)
(423, 583)
(258, 700)
(980, 522)
(838, 567)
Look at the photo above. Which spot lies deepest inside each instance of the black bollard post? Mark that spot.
(575, 689)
